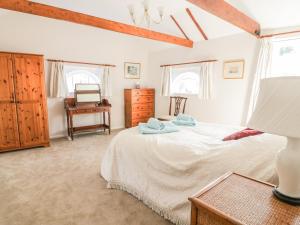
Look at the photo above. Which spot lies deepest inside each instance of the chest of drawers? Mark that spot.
(139, 105)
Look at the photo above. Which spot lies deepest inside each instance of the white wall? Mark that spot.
(62, 40)
(231, 96)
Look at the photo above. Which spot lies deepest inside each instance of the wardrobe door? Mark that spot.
(31, 100)
(9, 135)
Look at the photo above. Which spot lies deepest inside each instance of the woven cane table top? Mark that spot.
(248, 202)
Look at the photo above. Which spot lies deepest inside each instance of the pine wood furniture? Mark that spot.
(23, 108)
(139, 105)
(72, 109)
(236, 199)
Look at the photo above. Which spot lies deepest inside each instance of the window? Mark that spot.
(285, 57)
(185, 81)
(81, 74)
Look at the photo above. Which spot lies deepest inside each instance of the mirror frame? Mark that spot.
(94, 93)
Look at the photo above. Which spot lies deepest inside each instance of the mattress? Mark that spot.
(163, 170)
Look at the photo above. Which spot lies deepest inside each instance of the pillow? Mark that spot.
(242, 134)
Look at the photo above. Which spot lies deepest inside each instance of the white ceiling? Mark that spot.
(269, 13)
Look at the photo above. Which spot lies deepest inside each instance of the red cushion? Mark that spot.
(242, 134)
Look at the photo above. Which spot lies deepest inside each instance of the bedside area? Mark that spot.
(236, 199)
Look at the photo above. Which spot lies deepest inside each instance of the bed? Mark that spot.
(164, 170)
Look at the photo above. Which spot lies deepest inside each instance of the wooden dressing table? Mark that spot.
(87, 108)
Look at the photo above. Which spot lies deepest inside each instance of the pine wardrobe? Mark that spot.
(23, 108)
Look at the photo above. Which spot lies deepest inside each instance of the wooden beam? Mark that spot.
(38, 9)
(227, 12)
(179, 27)
(196, 23)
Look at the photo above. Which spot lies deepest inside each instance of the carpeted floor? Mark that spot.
(61, 185)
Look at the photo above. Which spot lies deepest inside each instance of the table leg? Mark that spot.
(109, 122)
(71, 126)
(104, 121)
(68, 124)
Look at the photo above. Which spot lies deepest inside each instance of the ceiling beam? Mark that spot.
(227, 12)
(38, 9)
(196, 23)
(179, 27)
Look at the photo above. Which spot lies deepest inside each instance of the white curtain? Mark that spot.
(263, 70)
(206, 76)
(105, 80)
(58, 86)
(166, 81)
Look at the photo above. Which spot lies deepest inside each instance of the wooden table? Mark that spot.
(236, 199)
(72, 109)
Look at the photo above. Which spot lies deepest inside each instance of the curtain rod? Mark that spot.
(278, 34)
(185, 63)
(86, 63)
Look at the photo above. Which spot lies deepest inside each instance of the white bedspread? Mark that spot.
(164, 170)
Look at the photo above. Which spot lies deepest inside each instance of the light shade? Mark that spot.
(277, 109)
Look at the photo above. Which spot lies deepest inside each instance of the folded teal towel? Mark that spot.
(184, 123)
(185, 117)
(155, 124)
(168, 128)
(184, 120)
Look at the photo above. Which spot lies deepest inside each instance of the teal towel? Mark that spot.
(168, 128)
(184, 117)
(184, 123)
(155, 124)
(184, 120)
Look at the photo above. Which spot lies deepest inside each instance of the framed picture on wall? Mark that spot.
(234, 69)
(132, 70)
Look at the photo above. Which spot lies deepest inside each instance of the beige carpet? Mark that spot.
(61, 185)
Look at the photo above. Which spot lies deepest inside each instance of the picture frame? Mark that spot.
(234, 69)
(132, 70)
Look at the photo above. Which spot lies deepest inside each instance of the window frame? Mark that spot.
(274, 42)
(185, 70)
(69, 69)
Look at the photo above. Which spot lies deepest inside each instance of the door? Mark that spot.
(31, 100)
(9, 135)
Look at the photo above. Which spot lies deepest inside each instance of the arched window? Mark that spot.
(185, 82)
(84, 75)
(285, 57)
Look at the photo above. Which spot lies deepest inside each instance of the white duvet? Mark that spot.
(163, 170)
